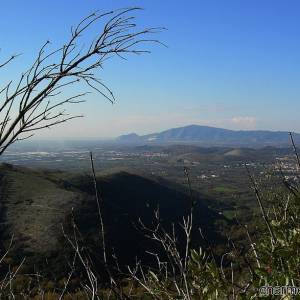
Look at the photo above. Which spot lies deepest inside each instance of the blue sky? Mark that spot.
(232, 64)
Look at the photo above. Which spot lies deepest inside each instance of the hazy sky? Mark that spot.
(232, 64)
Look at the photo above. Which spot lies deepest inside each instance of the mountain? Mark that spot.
(212, 136)
(131, 137)
(37, 204)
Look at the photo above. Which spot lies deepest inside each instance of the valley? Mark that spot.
(46, 187)
(218, 173)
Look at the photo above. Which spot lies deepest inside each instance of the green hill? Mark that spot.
(35, 204)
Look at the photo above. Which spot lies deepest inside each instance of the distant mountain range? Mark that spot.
(212, 136)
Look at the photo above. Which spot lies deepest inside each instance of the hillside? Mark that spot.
(35, 204)
(196, 153)
(211, 136)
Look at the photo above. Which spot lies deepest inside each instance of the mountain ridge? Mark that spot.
(208, 136)
(36, 204)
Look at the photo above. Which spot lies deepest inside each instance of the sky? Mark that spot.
(233, 64)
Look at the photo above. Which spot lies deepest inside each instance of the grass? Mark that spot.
(34, 209)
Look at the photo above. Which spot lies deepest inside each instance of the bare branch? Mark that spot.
(31, 103)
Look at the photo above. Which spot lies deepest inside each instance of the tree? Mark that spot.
(36, 100)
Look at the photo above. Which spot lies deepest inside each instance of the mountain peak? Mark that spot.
(212, 136)
(130, 137)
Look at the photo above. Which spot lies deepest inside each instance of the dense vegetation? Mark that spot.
(144, 256)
